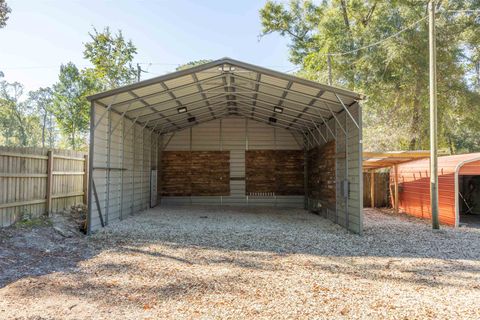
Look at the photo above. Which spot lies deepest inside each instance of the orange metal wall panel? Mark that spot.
(470, 169)
(414, 182)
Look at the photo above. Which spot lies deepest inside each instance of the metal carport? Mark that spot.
(226, 133)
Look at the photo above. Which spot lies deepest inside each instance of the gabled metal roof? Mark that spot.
(227, 87)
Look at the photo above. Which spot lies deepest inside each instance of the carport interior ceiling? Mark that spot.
(227, 87)
(250, 135)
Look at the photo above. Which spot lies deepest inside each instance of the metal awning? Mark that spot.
(378, 160)
(227, 87)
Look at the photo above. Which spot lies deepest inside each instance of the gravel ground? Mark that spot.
(239, 263)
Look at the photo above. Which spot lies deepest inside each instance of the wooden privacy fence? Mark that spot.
(35, 181)
(380, 189)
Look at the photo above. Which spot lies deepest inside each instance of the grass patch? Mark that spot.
(28, 223)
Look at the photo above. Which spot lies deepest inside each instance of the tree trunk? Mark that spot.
(345, 14)
(43, 128)
(415, 125)
(73, 140)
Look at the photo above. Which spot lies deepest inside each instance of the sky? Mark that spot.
(42, 34)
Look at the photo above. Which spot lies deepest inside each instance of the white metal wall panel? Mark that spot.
(127, 173)
(112, 212)
(180, 141)
(206, 137)
(138, 170)
(99, 176)
(260, 136)
(354, 146)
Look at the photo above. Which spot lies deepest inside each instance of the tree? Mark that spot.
(4, 11)
(70, 106)
(193, 64)
(394, 73)
(18, 123)
(42, 102)
(111, 56)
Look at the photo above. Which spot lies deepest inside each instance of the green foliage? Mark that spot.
(41, 101)
(27, 221)
(111, 56)
(393, 74)
(4, 11)
(19, 125)
(70, 106)
(193, 64)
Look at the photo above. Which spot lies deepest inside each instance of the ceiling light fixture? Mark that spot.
(272, 120)
(278, 109)
(182, 110)
(192, 119)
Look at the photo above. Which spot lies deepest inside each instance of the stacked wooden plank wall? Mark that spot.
(195, 173)
(25, 180)
(234, 135)
(381, 192)
(275, 172)
(321, 178)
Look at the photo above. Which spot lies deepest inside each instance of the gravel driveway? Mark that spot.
(244, 263)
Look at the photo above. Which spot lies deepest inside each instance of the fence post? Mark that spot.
(85, 179)
(372, 189)
(49, 182)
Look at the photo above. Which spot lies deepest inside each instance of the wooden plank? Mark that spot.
(24, 185)
(21, 203)
(57, 156)
(22, 155)
(67, 195)
(372, 189)
(274, 172)
(322, 174)
(85, 180)
(195, 173)
(22, 175)
(68, 173)
(49, 181)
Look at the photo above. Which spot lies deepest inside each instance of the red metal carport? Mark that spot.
(414, 186)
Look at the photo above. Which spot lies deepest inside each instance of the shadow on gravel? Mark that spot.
(36, 251)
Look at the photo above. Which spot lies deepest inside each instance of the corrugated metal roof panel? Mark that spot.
(185, 90)
(244, 82)
(180, 81)
(158, 98)
(304, 89)
(143, 91)
(274, 81)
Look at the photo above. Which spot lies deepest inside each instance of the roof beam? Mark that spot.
(193, 103)
(289, 90)
(294, 102)
(172, 95)
(310, 104)
(257, 86)
(166, 91)
(278, 115)
(265, 120)
(196, 115)
(194, 124)
(152, 108)
(200, 88)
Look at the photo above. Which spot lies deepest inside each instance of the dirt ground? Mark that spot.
(242, 263)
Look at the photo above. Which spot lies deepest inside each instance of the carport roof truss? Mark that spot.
(227, 87)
